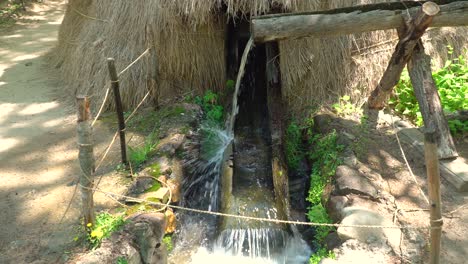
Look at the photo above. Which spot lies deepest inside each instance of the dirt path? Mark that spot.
(37, 143)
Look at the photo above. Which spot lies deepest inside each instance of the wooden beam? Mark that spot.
(419, 68)
(402, 54)
(351, 20)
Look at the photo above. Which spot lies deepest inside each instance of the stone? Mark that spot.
(141, 184)
(363, 216)
(349, 180)
(335, 206)
(162, 163)
(139, 242)
(170, 144)
(349, 158)
(170, 220)
(332, 241)
(174, 186)
(162, 194)
(148, 233)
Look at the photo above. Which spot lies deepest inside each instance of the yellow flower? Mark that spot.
(97, 233)
(89, 225)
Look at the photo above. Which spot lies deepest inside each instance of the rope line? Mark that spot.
(278, 221)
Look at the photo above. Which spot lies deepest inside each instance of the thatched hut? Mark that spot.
(189, 45)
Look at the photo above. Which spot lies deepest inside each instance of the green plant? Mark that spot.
(452, 84)
(212, 110)
(293, 142)
(345, 108)
(122, 260)
(167, 240)
(325, 159)
(140, 154)
(105, 224)
(321, 254)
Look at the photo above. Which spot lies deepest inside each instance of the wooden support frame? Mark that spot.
(402, 54)
(352, 20)
(425, 89)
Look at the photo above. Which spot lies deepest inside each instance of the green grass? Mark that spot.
(293, 145)
(121, 260)
(139, 155)
(325, 159)
(106, 223)
(452, 84)
(213, 112)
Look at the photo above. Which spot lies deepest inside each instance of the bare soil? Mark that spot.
(38, 152)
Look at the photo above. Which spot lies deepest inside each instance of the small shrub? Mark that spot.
(345, 108)
(321, 254)
(103, 228)
(213, 111)
(167, 240)
(293, 142)
(452, 84)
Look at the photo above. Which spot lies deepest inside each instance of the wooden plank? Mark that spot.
(425, 89)
(353, 20)
(402, 54)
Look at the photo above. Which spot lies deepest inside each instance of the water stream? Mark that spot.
(250, 186)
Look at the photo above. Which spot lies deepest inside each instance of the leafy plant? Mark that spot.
(452, 84)
(213, 111)
(167, 240)
(325, 159)
(105, 224)
(345, 108)
(293, 142)
(321, 254)
(122, 260)
(140, 154)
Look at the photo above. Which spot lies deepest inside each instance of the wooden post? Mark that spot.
(402, 54)
(86, 157)
(419, 68)
(119, 110)
(433, 178)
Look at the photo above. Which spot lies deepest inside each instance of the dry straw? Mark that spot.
(187, 38)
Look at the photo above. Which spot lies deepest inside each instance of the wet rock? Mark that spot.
(170, 144)
(332, 241)
(141, 184)
(364, 216)
(335, 206)
(137, 242)
(171, 221)
(174, 186)
(159, 165)
(349, 180)
(162, 194)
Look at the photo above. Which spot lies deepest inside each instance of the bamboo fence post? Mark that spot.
(118, 105)
(433, 175)
(86, 158)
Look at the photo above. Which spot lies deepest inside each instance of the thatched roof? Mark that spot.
(187, 53)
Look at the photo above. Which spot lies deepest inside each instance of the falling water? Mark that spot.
(235, 97)
(232, 240)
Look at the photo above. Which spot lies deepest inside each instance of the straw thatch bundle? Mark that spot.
(187, 52)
